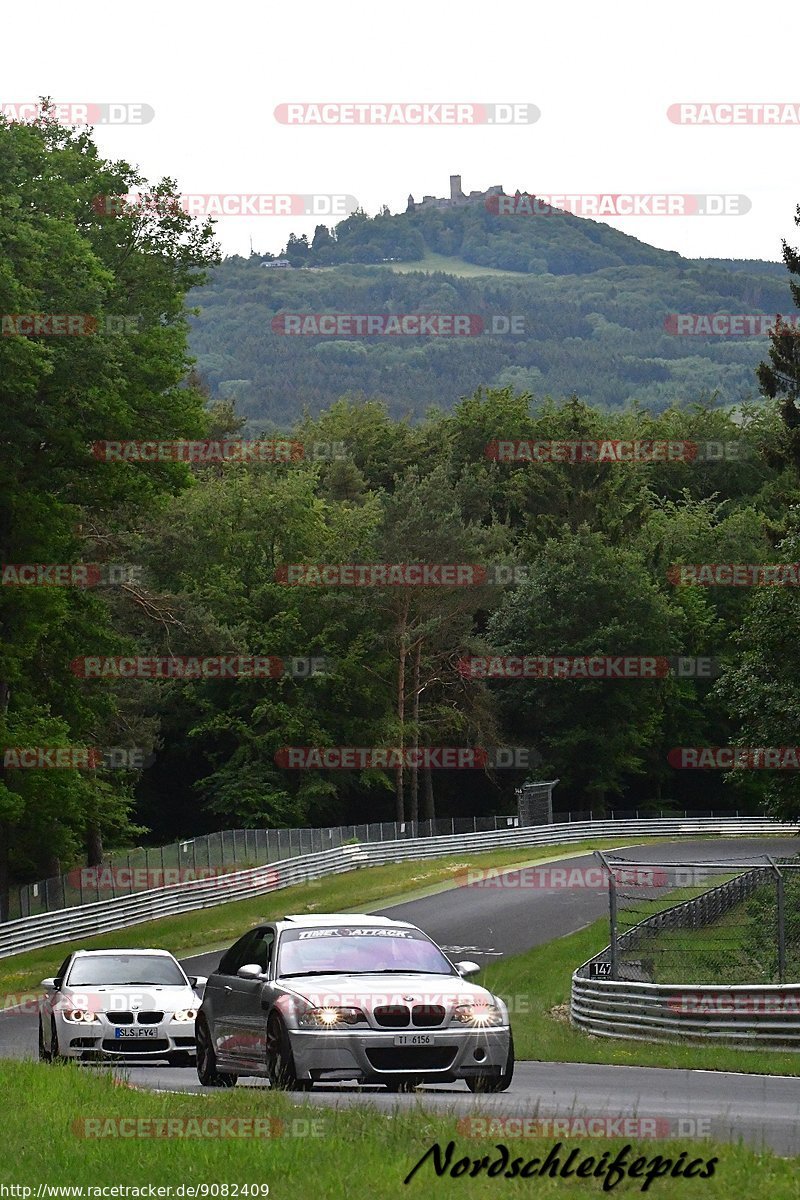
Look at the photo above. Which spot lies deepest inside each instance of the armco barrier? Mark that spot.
(745, 1015)
(72, 924)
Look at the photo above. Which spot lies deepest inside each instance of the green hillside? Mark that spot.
(567, 306)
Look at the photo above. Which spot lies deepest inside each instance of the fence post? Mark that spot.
(779, 897)
(612, 915)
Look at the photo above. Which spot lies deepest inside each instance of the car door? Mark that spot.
(235, 1033)
(250, 993)
(219, 998)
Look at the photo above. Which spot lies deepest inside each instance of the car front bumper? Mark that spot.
(371, 1056)
(104, 1040)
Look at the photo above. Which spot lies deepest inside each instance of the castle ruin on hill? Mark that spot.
(456, 199)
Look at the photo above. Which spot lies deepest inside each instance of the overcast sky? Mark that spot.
(603, 77)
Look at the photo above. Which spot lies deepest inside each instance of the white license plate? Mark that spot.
(135, 1031)
(413, 1039)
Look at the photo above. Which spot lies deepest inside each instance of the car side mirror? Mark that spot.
(467, 968)
(250, 971)
(50, 984)
(198, 981)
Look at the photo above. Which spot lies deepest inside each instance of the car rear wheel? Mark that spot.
(44, 1053)
(207, 1071)
(495, 1083)
(280, 1060)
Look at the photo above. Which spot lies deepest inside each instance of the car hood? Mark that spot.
(372, 990)
(119, 997)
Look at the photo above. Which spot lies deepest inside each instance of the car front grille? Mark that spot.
(411, 1058)
(392, 1016)
(426, 1016)
(398, 1016)
(129, 1018)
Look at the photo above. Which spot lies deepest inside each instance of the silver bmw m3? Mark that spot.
(349, 997)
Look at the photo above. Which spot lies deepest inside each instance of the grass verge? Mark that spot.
(359, 1151)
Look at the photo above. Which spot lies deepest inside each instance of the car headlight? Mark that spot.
(480, 1016)
(184, 1015)
(81, 1015)
(330, 1018)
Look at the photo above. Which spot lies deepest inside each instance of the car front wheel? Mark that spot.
(280, 1060)
(207, 1071)
(44, 1053)
(55, 1051)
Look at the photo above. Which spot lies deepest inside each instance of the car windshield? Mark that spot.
(124, 969)
(359, 950)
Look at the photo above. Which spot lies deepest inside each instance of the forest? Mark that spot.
(190, 555)
(573, 307)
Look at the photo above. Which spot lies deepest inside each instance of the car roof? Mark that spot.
(120, 950)
(320, 920)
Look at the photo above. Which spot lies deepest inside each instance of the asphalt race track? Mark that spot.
(486, 923)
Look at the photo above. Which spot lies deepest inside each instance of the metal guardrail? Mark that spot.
(140, 870)
(73, 924)
(146, 867)
(745, 1015)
